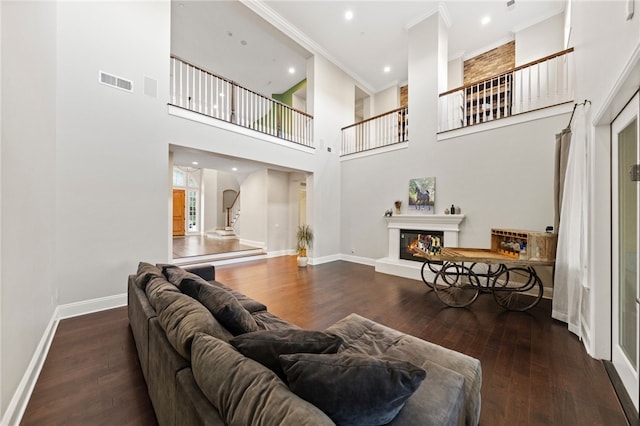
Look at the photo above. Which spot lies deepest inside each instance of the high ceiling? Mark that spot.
(230, 39)
(238, 39)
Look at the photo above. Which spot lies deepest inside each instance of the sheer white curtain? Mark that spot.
(570, 300)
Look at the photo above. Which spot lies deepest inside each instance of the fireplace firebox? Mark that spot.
(426, 240)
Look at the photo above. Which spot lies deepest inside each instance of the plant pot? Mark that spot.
(302, 261)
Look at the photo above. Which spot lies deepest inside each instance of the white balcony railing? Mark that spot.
(539, 84)
(203, 92)
(382, 130)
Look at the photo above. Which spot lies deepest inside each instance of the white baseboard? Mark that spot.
(20, 399)
(358, 259)
(90, 306)
(281, 253)
(236, 260)
(259, 244)
(324, 259)
(18, 404)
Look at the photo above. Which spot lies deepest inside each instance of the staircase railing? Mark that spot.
(204, 92)
(233, 213)
(535, 85)
(382, 130)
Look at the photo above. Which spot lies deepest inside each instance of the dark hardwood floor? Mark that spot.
(91, 376)
(534, 371)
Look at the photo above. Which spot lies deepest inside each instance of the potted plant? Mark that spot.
(305, 238)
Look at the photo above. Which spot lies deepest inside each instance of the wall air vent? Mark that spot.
(117, 82)
(510, 4)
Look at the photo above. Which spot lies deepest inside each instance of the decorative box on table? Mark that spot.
(539, 245)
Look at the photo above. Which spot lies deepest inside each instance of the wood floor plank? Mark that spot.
(534, 371)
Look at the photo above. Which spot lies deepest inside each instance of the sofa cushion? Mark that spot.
(177, 275)
(353, 389)
(181, 317)
(266, 346)
(246, 392)
(248, 303)
(146, 271)
(222, 305)
(268, 321)
(439, 401)
(362, 335)
(155, 287)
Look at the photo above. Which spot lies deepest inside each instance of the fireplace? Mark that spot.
(423, 239)
(447, 226)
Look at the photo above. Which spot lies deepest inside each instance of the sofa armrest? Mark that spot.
(140, 312)
(206, 272)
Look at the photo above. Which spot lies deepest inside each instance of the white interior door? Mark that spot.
(626, 245)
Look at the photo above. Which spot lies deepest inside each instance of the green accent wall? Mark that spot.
(287, 97)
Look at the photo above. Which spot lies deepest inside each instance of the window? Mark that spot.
(178, 177)
(192, 208)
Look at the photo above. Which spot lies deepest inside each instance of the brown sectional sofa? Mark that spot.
(195, 376)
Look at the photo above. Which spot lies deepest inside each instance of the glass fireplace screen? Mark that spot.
(411, 239)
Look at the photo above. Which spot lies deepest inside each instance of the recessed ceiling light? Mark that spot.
(485, 20)
(292, 70)
(387, 68)
(243, 42)
(235, 169)
(348, 15)
(195, 163)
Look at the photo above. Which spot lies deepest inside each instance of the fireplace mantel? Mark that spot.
(392, 264)
(436, 222)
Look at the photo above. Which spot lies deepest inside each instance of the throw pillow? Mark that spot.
(155, 287)
(222, 305)
(181, 317)
(246, 392)
(265, 346)
(353, 389)
(176, 275)
(145, 272)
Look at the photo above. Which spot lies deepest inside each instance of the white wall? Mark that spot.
(277, 209)
(333, 109)
(455, 73)
(28, 154)
(112, 149)
(297, 206)
(386, 100)
(540, 40)
(210, 209)
(253, 198)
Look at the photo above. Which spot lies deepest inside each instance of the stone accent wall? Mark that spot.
(404, 96)
(490, 63)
